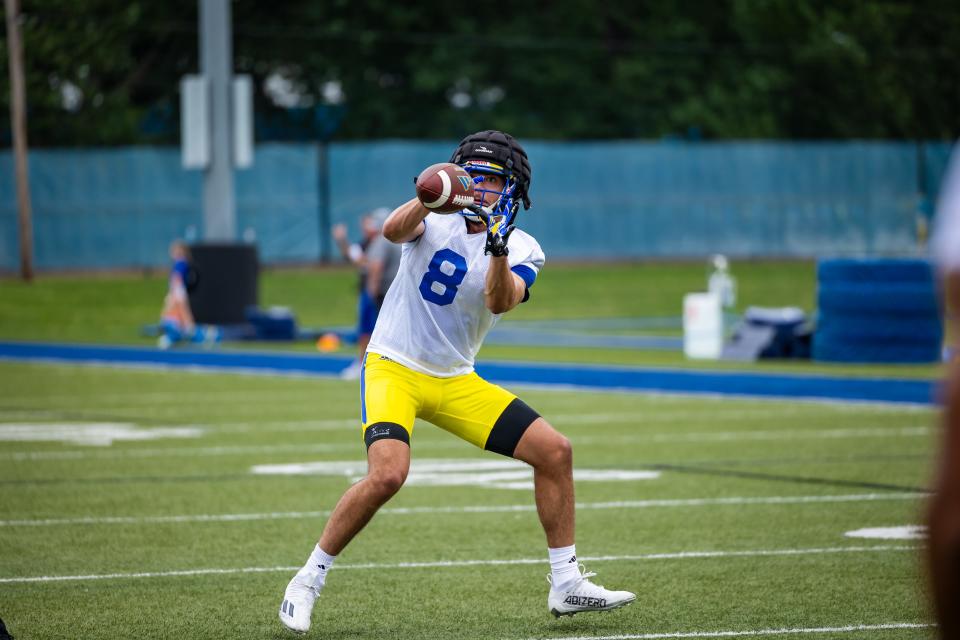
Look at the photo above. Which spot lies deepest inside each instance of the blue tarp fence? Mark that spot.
(120, 207)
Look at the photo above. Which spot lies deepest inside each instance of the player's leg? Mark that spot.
(551, 456)
(389, 400)
(388, 461)
(493, 418)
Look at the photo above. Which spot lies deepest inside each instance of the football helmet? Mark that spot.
(498, 153)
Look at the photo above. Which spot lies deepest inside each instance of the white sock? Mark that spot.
(564, 568)
(315, 571)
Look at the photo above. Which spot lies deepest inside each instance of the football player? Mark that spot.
(943, 554)
(457, 275)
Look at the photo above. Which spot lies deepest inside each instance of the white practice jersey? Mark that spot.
(434, 318)
(946, 237)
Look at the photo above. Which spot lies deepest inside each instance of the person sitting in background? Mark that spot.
(176, 319)
(373, 287)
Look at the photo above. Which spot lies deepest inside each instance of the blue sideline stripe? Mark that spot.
(728, 383)
(585, 376)
(305, 363)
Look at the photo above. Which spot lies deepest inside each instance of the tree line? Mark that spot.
(106, 72)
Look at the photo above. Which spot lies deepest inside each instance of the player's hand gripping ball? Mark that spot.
(445, 188)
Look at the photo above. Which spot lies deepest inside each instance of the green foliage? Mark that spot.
(568, 69)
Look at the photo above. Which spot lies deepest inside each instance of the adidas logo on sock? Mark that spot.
(572, 560)
(322, 567)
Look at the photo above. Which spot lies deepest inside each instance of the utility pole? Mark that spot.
(216, 64)
(18, 125)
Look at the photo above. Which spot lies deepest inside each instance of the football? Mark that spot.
(444, 188)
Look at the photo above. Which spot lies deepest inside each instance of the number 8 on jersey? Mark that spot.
(446, 271)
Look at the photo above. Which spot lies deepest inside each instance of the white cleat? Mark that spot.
(582, 595)
(297, 605)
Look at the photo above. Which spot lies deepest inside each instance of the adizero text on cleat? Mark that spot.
(581, 596)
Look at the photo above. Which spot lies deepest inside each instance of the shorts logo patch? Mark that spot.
(385, 359)
(378, 432)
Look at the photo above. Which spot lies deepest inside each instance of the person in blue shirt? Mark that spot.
(176, 319)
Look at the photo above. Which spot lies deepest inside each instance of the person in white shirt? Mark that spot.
(457, 275)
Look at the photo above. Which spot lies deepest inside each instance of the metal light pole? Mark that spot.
(216, 64)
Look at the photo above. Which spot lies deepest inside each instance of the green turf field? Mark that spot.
(112, 308)
(175, 537)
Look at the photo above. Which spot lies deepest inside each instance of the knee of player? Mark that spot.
(388, 481)
(557, 452)
(563, 451)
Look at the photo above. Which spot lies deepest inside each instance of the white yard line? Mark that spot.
(345, 426)
(203, 396)
(446, 564)
(889, 626)
(625, 504)
(666, 408)
(183, 452)
(560, 388)
(643, 413)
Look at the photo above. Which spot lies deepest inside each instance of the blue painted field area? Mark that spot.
(889, 390)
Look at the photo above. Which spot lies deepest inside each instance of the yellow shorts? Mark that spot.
(469, 407)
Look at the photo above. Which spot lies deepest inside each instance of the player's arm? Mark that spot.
(351, 252)
(503, 289)
(406, 222)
